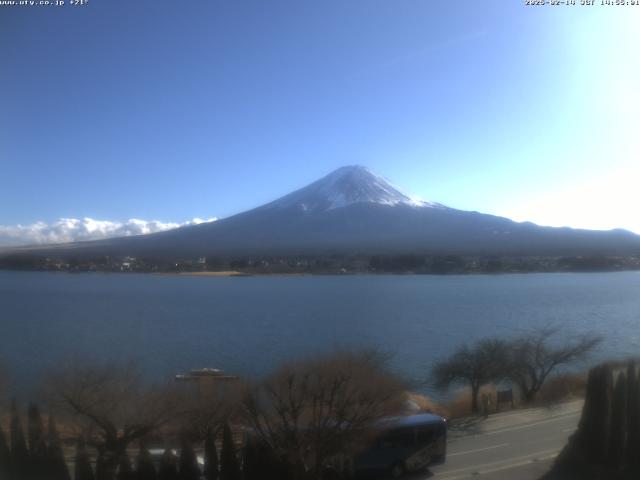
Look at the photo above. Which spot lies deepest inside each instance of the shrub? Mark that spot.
(83, 465)
(229, 468)
(210, 456)
(563, 387)
(168, 466)
(5, 456)
(56, 463)
(189, 469)
(144, 465)
(19, 451)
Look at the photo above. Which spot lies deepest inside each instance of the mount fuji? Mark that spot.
(354, 211)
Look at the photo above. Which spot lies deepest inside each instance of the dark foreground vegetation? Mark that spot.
(327, 264)
(606, 444)
(308, 420)
(291, 425)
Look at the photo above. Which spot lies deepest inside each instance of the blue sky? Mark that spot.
(169, 111)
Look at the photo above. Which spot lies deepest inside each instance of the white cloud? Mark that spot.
(74, 230)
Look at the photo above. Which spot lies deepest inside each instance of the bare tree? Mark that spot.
(309, 411)
(473, 366)
(534, 356)
(111, 407)
(208, 408)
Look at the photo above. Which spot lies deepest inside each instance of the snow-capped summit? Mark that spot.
(346, 186)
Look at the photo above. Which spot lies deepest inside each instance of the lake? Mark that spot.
(247, 325)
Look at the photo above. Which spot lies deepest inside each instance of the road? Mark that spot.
(519, 445)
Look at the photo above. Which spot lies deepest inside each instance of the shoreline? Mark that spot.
(227, 273)
(235, 273)
(224, 273)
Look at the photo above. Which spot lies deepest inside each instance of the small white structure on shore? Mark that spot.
(205, 374)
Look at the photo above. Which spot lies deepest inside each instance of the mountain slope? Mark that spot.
(353, 210)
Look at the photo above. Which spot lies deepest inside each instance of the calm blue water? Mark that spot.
(247, 325)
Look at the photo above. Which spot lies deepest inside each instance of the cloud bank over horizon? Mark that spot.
(65, 230)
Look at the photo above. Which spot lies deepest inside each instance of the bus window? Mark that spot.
(404, 437)
(426, 434)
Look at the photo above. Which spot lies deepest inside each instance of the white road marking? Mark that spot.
(496, 466)
(527, 425)
(477, 450)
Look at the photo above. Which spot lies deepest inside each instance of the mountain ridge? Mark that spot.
(352, 210)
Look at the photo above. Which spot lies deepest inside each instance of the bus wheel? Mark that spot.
(397, 471)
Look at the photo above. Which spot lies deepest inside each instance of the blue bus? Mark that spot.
(404, 444)
(395, 446)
